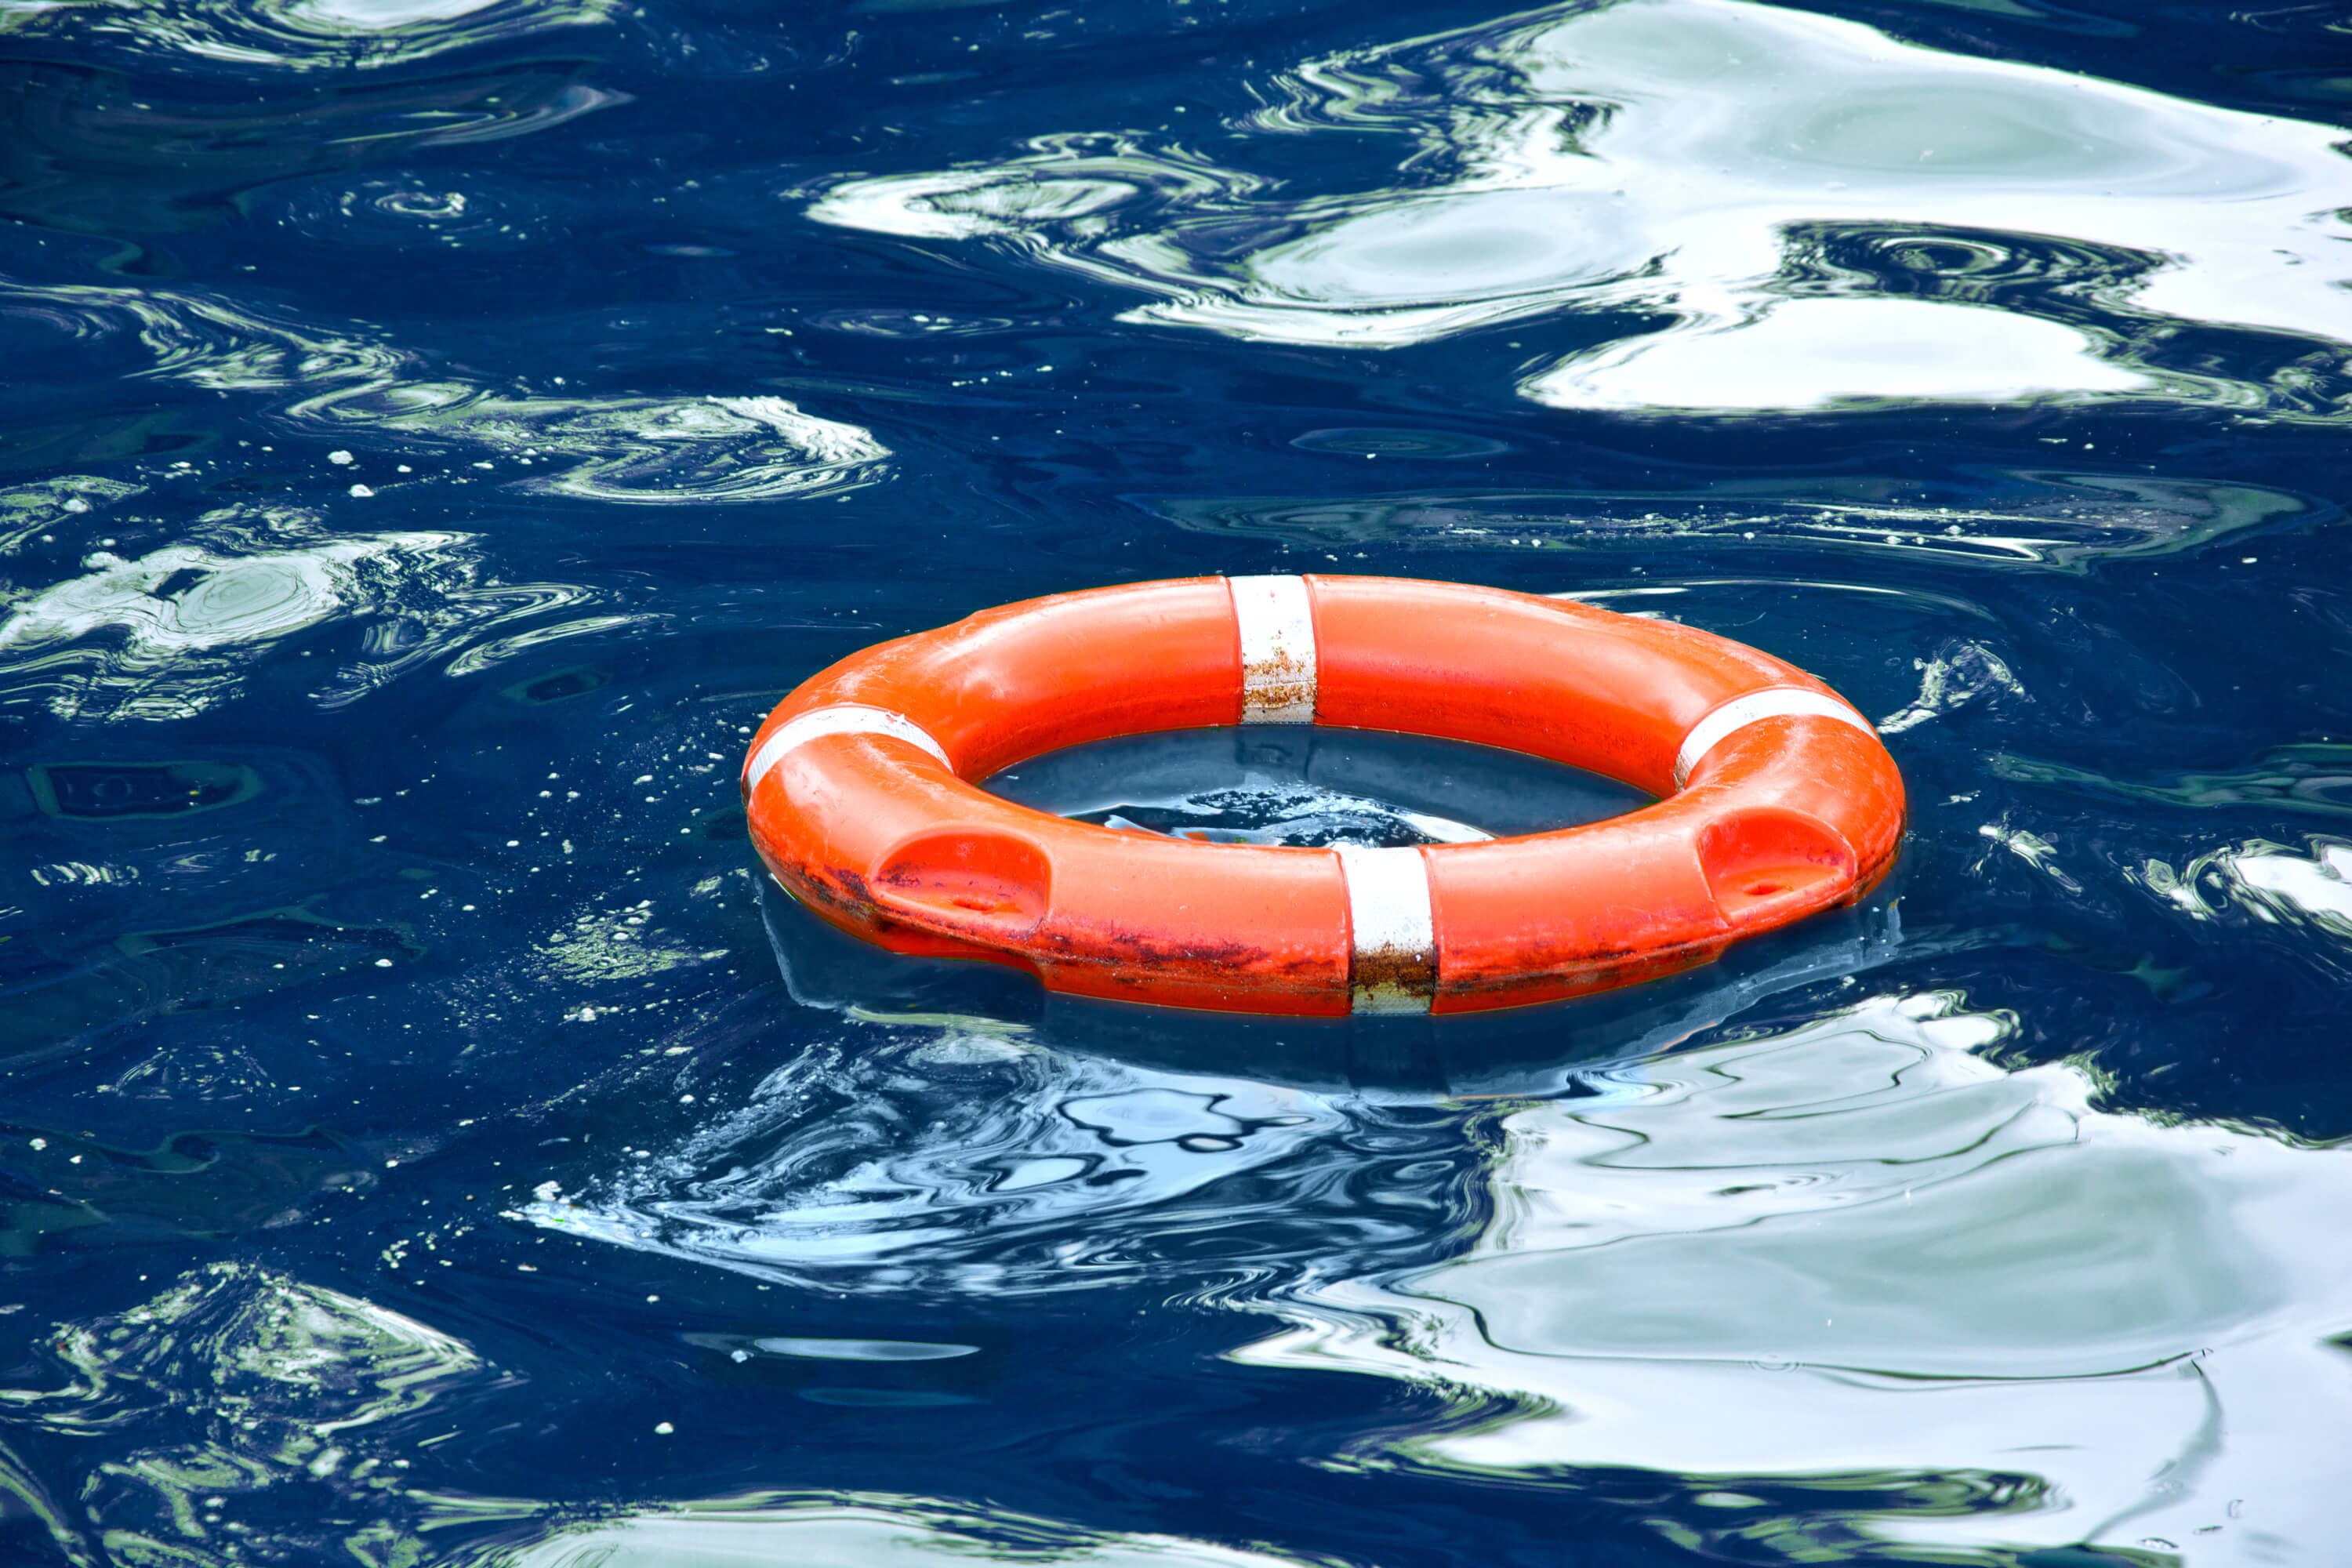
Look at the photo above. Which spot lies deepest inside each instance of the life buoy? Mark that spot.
(1777, 799)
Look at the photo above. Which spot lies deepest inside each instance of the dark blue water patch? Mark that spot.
(435, 436)
(1308, 786)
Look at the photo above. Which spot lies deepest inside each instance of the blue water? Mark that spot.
(433, 433)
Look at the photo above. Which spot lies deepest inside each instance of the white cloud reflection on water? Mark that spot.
(2272, 883)
(302, 35)
(177, 630)
(1919, 1300)
(1826, 217)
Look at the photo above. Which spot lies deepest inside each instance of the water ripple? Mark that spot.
(2269, 883)
(1925, 1303)
(32, 508)
(1823, 216)
(648, 449)
(2046, 518)
(959, 1162)
(353, 385)
(238, 1382)
(861, 1530)
(475, 211)
(2312, 777)
(299, 34)
(95, 150)
(172, 632)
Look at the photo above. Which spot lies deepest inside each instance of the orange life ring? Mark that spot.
(1778, 799)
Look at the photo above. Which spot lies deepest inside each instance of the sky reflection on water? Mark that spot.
(1822, 216)
(1862, 1257)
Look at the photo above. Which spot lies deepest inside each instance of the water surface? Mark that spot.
(433, 433)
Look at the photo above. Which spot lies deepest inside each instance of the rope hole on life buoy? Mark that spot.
(1765, 858)
(972, 877)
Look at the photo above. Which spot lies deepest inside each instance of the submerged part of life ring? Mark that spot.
(1776, 798)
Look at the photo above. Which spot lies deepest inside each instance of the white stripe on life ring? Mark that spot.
(1393, 967)
(1780, 702)
(845, 719)
(1278, 631)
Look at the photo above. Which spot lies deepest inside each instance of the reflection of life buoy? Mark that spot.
(1778, 799)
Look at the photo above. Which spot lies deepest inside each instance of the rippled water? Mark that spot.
(434, 432)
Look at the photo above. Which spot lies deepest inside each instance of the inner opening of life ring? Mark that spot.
(1312, 785)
